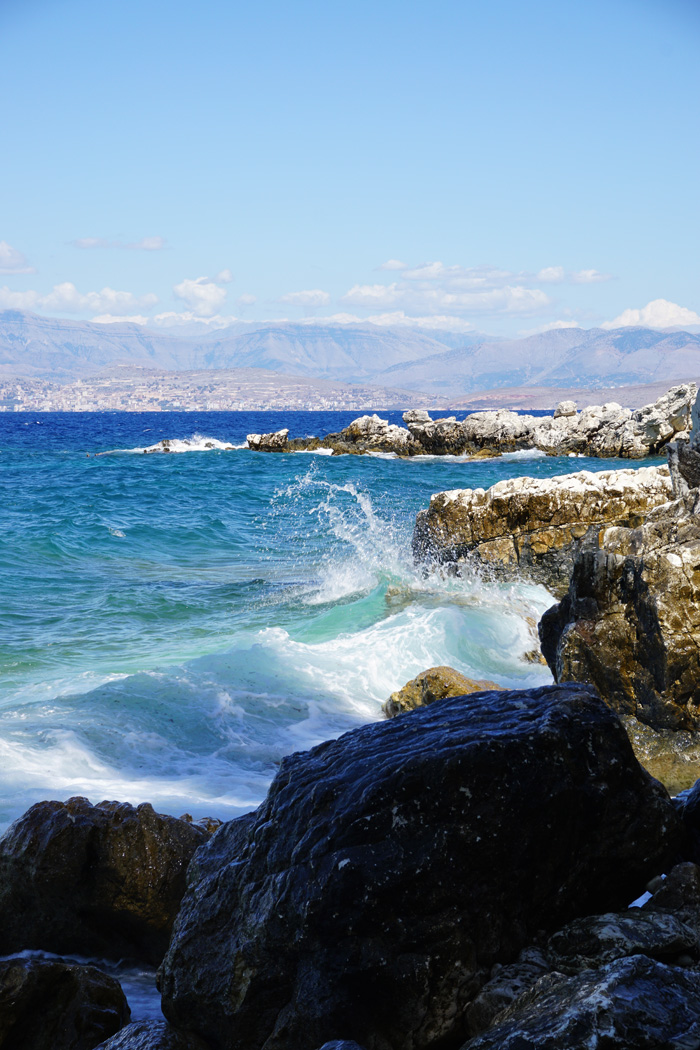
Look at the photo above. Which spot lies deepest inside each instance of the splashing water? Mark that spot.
(173, 625)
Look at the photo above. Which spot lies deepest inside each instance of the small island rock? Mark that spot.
(434, 684)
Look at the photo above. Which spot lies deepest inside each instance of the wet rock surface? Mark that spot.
(630, 620)
(634, 1003)
(101, 880)
(533, 528)
(51, 1005)
(153, 1035)
(434, 684)
(388, 871)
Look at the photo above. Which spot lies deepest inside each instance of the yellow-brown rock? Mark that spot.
(434, 684)
(533, 528)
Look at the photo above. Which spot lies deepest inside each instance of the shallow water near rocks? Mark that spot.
(171, 625)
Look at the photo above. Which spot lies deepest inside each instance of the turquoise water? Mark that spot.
(172, 625)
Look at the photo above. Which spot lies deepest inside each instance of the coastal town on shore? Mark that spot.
(147, 390)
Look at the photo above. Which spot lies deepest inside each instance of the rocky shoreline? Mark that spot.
(599, 430)
(456, 877)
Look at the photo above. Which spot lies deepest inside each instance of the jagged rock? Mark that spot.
(598, 430)
(416, 415)
(371, 433)
(630, 620)
(434, 684)
(50, 1005)
(506, 984)
(387, 871)
(153, 1035)
(99, 880)
(596, 939)
(275, 442)
(678, 895)
(688, 805)
(634, 1004)
(535, 527)
(565, 409)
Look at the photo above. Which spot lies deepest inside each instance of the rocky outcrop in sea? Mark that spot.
(533, 528)
(599, 430)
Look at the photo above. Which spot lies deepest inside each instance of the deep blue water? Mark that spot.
(172, 625)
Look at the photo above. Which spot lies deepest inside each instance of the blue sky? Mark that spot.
(517, 165)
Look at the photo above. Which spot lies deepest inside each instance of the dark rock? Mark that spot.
(631, 1004)
(341, 1044)
(51, 1005)
(153, 1035)
(678, 895)
(596, 939)
(506, 984)
(630, 621)
(688, 806)
(388, 871)
(97, 880)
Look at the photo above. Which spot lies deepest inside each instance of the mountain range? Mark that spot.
(414, 359)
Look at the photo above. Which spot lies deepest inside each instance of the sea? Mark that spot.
(173, 624)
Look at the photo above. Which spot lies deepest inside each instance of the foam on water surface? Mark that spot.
(172, 626)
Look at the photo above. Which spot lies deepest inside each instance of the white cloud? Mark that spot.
(246, 299)
(66, 299)
(441, 298)
(552, 275)
(12, 260)
(310, 297)
(589, 277)
(393, 264)
(202, 295)
(551, 327)
(146, 244)
(86, 243)
(173, 319)
(224, 277)
(110, 319)
(659, 313)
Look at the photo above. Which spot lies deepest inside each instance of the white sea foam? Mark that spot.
(195, 443)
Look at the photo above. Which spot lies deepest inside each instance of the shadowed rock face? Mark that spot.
(634, 1003)
(630, 620)
(50, 1005)
(535, 527)
(387, 871)
(152, 1035)
(100, 880)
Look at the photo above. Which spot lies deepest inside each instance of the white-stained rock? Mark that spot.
(565, 408)
(534, 527)
(276, 442)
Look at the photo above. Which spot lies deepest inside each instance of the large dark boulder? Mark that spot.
(630, 620)
(387, 871)
(100, 880)
(632, 1004)
(153, 1035)
(46, 1004)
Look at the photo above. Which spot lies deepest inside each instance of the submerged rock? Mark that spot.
(634, 1003)
(434, 684)
(153, 1035)
(389, 870)
(50, 1005)
(535, 527)
(630, 620)
(275, 442)
(96, 880)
